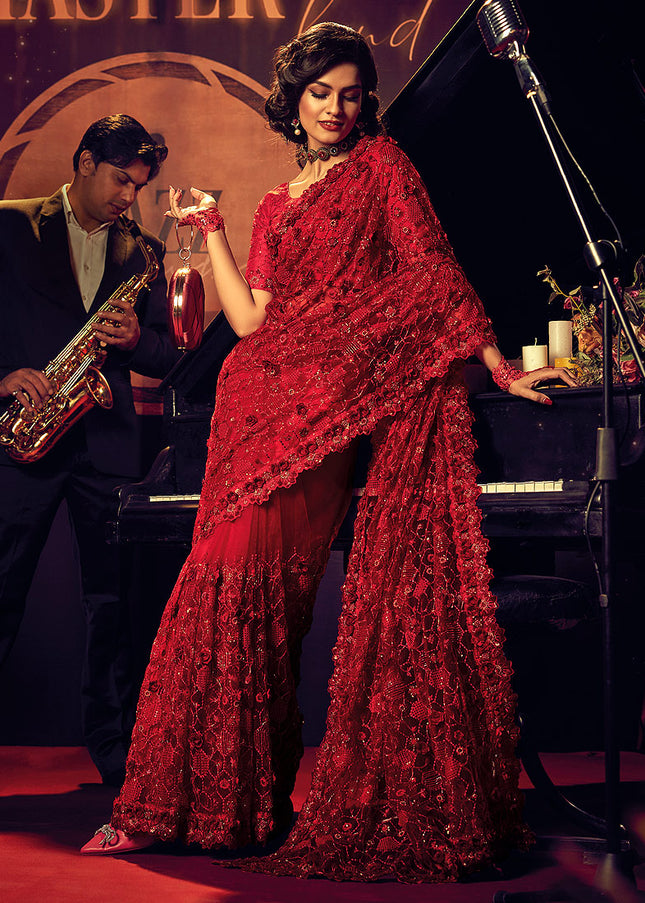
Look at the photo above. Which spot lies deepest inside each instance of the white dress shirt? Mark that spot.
(87, 252)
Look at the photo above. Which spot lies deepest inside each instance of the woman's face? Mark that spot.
(329, 107)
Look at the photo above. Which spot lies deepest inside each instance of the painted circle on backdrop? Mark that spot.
(210, 116)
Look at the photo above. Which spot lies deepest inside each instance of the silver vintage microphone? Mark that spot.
(504, 30)
(503, 27)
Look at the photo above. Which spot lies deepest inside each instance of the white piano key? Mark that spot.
(525, 487)
(174, 498)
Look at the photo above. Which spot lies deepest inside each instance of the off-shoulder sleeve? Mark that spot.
(259, 269)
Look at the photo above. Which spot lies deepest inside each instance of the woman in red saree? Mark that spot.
(356, 321)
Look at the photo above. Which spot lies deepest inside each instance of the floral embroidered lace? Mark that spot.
(416, 777)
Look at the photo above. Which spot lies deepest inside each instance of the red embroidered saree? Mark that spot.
(416, 777)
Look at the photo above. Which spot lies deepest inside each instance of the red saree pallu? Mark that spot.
(416, 777)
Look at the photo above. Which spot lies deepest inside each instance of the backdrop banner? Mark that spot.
(195, 73)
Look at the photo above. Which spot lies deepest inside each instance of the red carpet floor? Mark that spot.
(50, 803)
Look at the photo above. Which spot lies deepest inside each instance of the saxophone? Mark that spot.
(76, 378)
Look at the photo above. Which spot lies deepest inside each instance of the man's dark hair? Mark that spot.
(120, 140)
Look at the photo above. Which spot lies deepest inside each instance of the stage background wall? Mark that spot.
(195, 72)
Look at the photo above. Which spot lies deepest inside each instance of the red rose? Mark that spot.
(629, 370)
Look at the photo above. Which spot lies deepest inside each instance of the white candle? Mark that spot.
(534, 356)
(559, 340)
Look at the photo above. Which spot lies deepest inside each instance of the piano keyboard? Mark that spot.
(487, 488)
(526, 487)
(510, 509)
(194, 497)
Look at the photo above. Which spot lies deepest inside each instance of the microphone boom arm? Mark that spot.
(595, 253)
(504, 30)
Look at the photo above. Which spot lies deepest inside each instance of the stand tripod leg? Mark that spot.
(613, 872)
(540, 779)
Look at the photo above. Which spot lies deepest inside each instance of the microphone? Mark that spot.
(503, 27)
(504, 30)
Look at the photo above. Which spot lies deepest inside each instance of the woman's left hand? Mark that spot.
(524, 387)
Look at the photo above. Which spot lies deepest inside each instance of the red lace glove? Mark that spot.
(209, 219)
(503, 375)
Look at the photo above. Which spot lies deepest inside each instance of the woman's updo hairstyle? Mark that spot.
(304, 60)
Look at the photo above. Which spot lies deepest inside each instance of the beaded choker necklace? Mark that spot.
(304, 154)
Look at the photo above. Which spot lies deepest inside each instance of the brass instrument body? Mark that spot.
(77, 381)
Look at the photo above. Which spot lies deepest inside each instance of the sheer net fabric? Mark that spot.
(217, 740)
(416, 778)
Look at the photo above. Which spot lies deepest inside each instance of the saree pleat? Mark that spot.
(218, 733)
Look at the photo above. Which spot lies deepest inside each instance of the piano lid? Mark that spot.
(194, 376)
(474, 138)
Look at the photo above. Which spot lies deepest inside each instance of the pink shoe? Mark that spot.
(109, 841)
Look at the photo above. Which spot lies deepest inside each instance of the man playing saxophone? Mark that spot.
(61, 258)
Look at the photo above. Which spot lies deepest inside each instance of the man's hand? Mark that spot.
(119, 328)
(30, 387)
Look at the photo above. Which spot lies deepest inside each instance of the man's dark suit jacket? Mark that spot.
(41, 310)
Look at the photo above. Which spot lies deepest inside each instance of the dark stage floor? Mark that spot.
(50, 802)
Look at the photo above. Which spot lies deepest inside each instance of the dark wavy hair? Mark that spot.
(305, 59)
(120, 140)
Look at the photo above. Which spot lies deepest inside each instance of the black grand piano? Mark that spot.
(471, 133)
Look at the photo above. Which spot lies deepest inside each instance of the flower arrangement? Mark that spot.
(586, 318)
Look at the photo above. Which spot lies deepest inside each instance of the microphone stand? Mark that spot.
(599, 255)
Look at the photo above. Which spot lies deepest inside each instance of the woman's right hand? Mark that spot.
(202, 202)
(525, 385)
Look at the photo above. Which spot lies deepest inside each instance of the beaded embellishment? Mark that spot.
(504, 374)
(207, 220)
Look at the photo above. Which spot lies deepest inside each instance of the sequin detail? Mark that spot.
(208, 219)
(217, 739)
(416, 779)
(369, 307)
(504, 374)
